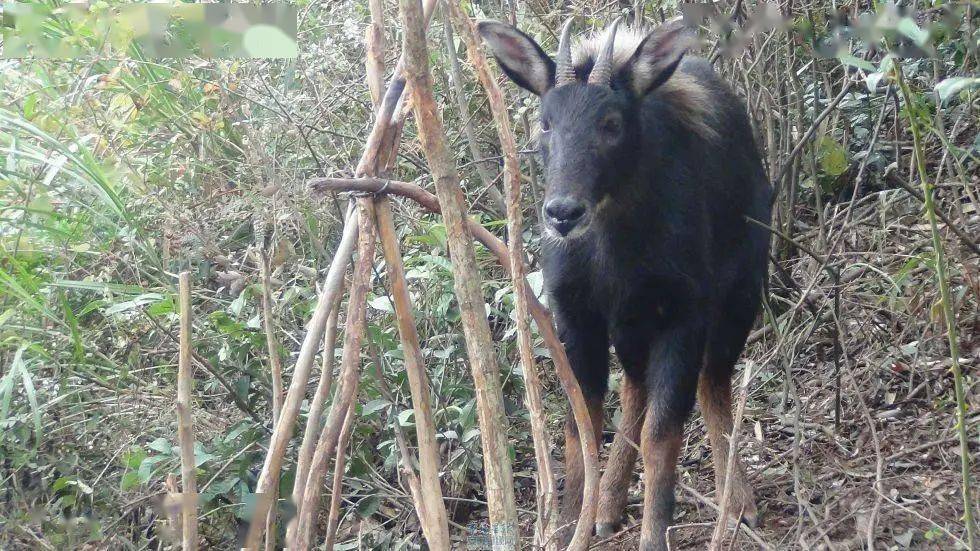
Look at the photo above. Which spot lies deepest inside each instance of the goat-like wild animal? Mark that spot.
(652, 172)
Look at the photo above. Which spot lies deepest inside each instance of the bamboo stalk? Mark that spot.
(348, 379)
(185, 420)
(406, 455)
(948, 315)
(282, 433)
(275, 368)
(546, 495)
(435, 523)
(466, 282)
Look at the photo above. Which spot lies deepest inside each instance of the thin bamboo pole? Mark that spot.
(435, 523)
(348, 379)
(719, 532)
(546, 494)
(466, 282)
(185, 418)
(949, 316)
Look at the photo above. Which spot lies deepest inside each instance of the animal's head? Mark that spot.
(589, 102)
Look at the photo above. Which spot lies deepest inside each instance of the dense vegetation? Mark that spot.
(117, 173)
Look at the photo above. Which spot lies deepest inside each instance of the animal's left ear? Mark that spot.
(657, 57)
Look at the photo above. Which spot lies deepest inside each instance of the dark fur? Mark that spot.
(669, 272)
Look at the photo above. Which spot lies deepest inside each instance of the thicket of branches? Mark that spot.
(860, 415)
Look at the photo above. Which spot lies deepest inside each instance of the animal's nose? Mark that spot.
(564, 214)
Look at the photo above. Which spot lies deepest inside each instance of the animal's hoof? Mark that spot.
(607, 529)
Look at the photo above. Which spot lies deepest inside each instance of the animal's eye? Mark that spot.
(612, 125)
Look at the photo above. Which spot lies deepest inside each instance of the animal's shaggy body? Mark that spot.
(650, 180)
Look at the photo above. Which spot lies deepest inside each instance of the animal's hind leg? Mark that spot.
(614, 489)
(715, 400)
(715, 397)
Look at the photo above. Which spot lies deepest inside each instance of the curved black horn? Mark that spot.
(564, 72)
(602, 70)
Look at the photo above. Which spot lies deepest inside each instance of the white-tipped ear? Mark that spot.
(519, 56)
(658, 56)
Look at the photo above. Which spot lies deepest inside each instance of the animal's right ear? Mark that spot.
(519, 56)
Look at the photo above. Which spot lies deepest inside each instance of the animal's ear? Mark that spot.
(657, 57)
(519, 56)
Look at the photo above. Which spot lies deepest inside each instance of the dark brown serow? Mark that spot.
(651, 171)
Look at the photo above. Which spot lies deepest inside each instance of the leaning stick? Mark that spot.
(348, 379)
(185, 427)
(499, 478)
(269, 477)
(313, 425)
(336, 488)
(546, 495)
(435, 524)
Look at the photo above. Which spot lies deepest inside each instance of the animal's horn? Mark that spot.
(564, 72)
(602, 70)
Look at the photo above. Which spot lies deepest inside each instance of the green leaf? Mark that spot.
(405, 418)
(160, 445)
(909, 28)
(129, 480)
(30, 106)
(382, 304)
(146, 298)
(833, 156)
(374, 406)
(368, 506)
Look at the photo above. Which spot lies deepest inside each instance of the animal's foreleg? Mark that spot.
(672, 376)
(614, 489)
